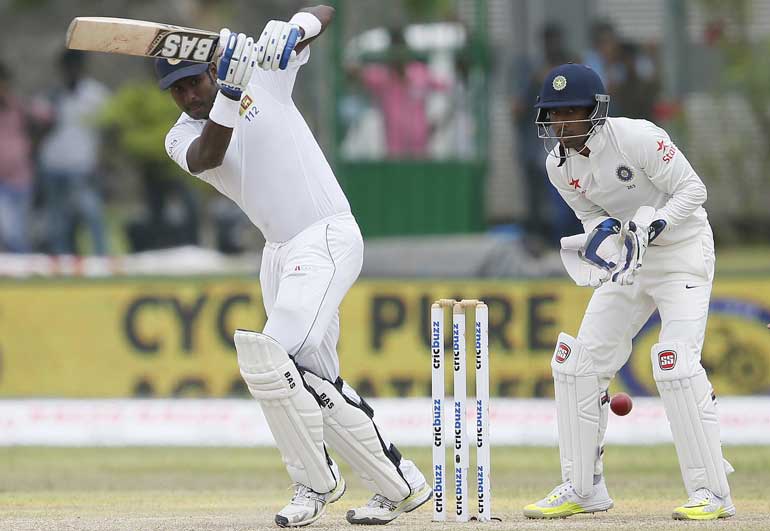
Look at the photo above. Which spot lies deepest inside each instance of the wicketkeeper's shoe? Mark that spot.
(705, 505)
(563, 501)
(307, 505)
(380, 510)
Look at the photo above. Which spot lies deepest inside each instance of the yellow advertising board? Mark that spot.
(173, 337)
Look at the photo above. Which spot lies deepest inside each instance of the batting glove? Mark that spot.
(236, 64)
(276, 45)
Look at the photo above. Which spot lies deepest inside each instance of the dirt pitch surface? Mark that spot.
(204, 489)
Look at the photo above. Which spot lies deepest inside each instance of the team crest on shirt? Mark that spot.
(246, 102)
(624, 173)
(247, 108)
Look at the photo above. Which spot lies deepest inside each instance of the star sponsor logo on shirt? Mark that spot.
(574, 183)
(669, 150)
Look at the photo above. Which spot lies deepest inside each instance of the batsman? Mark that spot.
(647, 245)
(241, 133)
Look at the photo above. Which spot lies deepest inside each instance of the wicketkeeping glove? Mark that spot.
(638, 233)
(601, 251)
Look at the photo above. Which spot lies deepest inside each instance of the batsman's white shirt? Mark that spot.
(275, 171)
(633, 163)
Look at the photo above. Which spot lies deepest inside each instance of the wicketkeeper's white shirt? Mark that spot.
(274, 169)
(632, 163)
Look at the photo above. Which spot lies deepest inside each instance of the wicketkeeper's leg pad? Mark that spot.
(578, 412)
(690, 405)
(604, 413)
(349, 429)
(291, 410)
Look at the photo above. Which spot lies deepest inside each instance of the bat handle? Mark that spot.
(218, 54)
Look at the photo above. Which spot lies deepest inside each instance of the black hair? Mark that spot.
(396, 34)
(552, 29)
(72, 59)
(599, 27)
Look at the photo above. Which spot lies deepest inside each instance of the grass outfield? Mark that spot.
(240, 489)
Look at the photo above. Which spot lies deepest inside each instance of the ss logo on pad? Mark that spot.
(562, 353)
(667, 360)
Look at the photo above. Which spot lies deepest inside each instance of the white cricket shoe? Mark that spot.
(307, 505)
(705, 505)
(563, 501)
(380, 510)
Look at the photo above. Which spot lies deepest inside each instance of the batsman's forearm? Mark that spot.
(325, 14)
(208, 150)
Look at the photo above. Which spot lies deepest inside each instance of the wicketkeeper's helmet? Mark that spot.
(570, 85)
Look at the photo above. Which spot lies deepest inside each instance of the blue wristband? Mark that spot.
(231, 92)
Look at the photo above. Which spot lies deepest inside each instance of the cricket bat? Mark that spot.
(139, 37)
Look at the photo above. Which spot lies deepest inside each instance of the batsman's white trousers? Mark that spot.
(303, 283)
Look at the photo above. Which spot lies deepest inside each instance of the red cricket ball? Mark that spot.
(621, 404)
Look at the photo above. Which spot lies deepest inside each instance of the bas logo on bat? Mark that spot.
(183, 45)
(140, 37)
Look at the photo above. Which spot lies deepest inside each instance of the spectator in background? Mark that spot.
(637, 90)
(454, 134)
(401, 88)
(16, 165)
(69, 158)
(627, 70)
(604, 56)
(173, 212)
(548, 216)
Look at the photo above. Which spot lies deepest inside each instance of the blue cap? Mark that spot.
(169, 73)
(570, 85)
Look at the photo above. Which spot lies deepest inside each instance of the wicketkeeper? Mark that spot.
(647, 245)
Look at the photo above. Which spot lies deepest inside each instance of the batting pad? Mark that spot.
(290, 409)
(578, 413)
(690, 405)
(350, 430)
